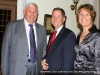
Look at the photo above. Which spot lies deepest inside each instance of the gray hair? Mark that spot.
(30, 4)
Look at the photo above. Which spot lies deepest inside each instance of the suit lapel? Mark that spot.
(23, 33)
(59, 36)
(38, 34)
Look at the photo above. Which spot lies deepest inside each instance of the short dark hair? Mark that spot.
(58, 8)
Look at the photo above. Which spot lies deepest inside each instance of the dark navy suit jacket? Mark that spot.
(61, 55)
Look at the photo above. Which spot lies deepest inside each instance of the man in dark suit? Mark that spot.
(61, 55)
(16, 44)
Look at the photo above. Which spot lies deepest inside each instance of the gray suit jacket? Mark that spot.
(14, 57)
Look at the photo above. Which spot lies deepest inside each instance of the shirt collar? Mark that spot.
(28, 24)
(58, 30)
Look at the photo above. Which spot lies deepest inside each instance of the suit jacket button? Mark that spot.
(27, 55)
(25, 65)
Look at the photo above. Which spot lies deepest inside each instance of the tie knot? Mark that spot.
(55, 31)
(30, 25)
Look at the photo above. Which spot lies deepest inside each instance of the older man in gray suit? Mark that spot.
(16, 44)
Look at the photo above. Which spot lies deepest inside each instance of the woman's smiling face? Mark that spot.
(84, 18)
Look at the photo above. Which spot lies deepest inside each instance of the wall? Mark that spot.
(46, 7)
(8, 0)
(97, 8)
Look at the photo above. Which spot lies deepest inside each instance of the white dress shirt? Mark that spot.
(27, 28)
(58, 30)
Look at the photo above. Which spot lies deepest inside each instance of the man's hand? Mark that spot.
(45, 66)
